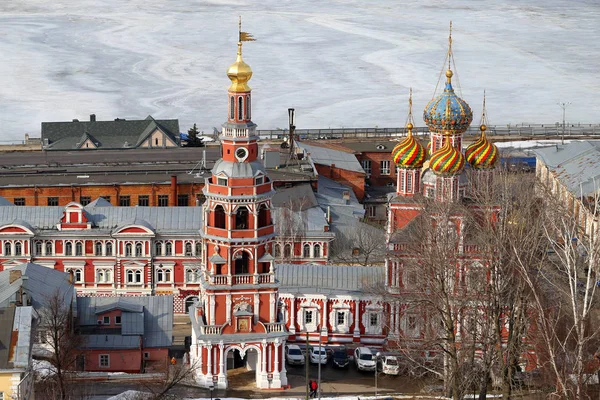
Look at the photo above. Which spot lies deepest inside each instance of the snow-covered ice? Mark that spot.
(340, 63)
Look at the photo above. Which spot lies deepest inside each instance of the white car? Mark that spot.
(318, 355)
(364, 359)
(294, 355)
(389, 365)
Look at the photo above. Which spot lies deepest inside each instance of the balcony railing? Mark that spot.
(212, 330)
(241, 279)
(275, 327)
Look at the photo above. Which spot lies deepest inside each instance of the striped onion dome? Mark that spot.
(448, 113)
(409, 153)
(482, 154)
(447, 160)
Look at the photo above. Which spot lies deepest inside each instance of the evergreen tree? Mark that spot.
(193, 139)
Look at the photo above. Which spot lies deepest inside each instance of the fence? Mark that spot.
(503, 130)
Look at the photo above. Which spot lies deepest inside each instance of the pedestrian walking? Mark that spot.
(313, 388)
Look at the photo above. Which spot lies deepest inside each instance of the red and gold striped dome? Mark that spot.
(409, 153)
(482, 154)
(447, 160)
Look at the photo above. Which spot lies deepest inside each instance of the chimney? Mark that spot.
(173, 197)
(14, 275)
(92, 117)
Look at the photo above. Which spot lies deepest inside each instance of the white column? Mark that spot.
(273, 307)
(264, 358)
(356, 318)
(324, 324)
(276, 369)
(12, 248)
(228, 305)
(43, 248)
(211, 302)
(292, 312)
(397, 319)
(256, 306)
(222, 364)
(209, 363)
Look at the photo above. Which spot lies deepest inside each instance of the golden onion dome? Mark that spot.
(409, 153)
(482, 154)
(447, 160)
(239, 73)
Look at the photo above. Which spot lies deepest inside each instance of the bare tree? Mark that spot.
(63, 345)
(291, 225)
(172, 375)
(358, 243)
(564, 295)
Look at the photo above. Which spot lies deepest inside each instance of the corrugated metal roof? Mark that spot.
(159, 219)
(119, 303)
(325, 156)
(156, 324)
(328, 278)
(576, 165)
(112, 342)
(41, 283)
(132, 323)
(22, 325)
(6, 323)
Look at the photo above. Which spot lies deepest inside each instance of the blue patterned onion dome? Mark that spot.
(409, 153)
(448, 113)
(447, 160)
(482, 154)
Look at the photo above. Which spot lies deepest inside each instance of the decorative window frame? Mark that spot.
(196, 271)
(134, 269)
(348, 318)
(371, 309)
(316, 309)
(107, 360)
(75, 269)
(405, 325)
(164, 269)
(104, 268)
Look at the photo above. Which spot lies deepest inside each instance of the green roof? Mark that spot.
(117, 134)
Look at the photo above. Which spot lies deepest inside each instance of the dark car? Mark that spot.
(340, 359)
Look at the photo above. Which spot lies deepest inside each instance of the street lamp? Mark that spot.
(377, 355)
(292, 122)
(564, 106)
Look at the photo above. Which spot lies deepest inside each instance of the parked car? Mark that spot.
(364, 360)
(388, 365)
(340, 358)
(318, 355)
(294, 355)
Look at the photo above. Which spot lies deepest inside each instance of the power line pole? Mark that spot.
(564, 106)
(306, 363)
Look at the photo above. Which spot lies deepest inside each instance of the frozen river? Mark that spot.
(340, 63)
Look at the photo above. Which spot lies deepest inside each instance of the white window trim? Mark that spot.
(385, 170)
(413, 333)
(75, 269)
(118, 316)
(196, 271)
(134, 269)
(106, 320)
(366, 319)
(164, 269)
(312, 327)
(348, 318)
(100, 360)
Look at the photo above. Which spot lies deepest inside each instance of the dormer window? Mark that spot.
(260, 180)
(380, 147)
(222, 181)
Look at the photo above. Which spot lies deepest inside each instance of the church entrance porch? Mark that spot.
(215, 363)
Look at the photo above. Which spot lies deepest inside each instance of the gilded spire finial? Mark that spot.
(482, 126)
(409, 123)
(449, 71)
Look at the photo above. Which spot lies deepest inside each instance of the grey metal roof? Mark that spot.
(297, 197)
(106, 134)
(326, 156)
(373, 146)
(99, 202)
(328, 278)
(41, 284)
(238, 169)
(159, 219)
(310, 220)
(157, 324)
(576, 165)
(4, 202)
(119, 303)
(6, 324)
(22, 325)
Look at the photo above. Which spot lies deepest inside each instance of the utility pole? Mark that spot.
(291, 136)
(306, 362)
(319, 373)
(564, 106)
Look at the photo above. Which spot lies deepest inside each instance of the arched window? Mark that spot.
(78, 275)
(277, 251)
(158, 249)
(138, 276)
(248, 114)
(198, 249)
(69, 249)
(101, 277)
(263, 216)
(160, 277)
(232, 108)
(306, 251)
(38, 248)
(188, 249)
(189, 302)
(18, 249)
(128, 250)
(48, 248)
(109, 249)
(98, 247)
(138, 250)
(317, 251)
(168, 249)
(7, 249)
(287, 251)
(78, 249)
(219, 217)
(105, 276)
(240, 108)
(241, 263)
(130, 276)
(241, 218)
